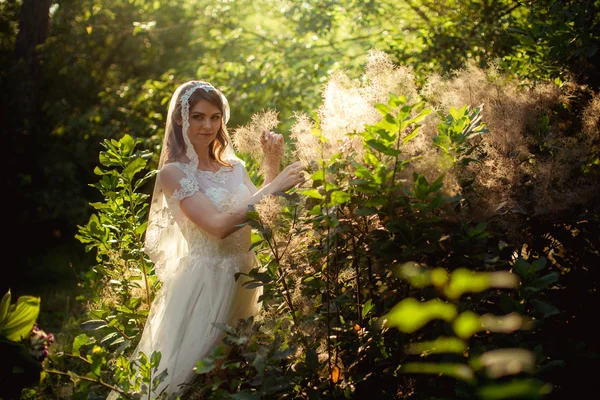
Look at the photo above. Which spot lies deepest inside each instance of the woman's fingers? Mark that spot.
(292, 175)
(271, 141)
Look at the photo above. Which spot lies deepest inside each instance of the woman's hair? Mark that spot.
(176, 142)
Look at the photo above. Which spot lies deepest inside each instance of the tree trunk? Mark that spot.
(33, 28)
(33, 31)
(24, 133)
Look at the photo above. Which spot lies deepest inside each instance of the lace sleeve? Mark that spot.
(164, 242)
(188, 185)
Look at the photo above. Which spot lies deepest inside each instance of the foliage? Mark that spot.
(120, 288)
(24, 346)
(340, 319)
(554, 34)
(108, 68)
(372, 277)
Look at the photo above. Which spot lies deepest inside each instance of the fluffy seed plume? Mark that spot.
(383, 77)
(350, 104)
(269, 210)
(591, 117)
(307, 146)
(246, 139)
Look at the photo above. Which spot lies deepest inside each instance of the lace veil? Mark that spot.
(164, 242)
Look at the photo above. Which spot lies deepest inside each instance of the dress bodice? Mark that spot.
(225, 189)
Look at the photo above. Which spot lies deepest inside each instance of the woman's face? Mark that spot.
(205, 122)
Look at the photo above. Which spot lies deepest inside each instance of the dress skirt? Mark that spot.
(203, 291)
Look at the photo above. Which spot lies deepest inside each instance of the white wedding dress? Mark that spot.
(203, 289)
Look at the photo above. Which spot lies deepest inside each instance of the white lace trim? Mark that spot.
(223, 199)
(189, 186)
(221, 176)
(189, 183)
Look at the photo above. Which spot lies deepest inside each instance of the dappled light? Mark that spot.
(441, 238)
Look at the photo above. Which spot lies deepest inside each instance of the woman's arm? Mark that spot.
(272, 147)
(202, 212)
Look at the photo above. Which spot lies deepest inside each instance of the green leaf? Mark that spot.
(395, 100)
(142, 228)
(539, 264)
(376, 201)
(507, 304)
(362, 172)
(439, 345)
(204, 365)
(371, 159)
(421, 116)
(93, 324)
(135, 302)
(546, 309)
(383, 148)
(4, 307)
(458, 113)
(368, 306)
(522, 267)
(463, 280)
(21, 317)
(421, 186)
(318, 175)
(411, 136)
(467, 324)
(134, 167)
(109, 159)
(339, 197)
(127, 144)
(109, 337)
(383, 109)
(458, 371)
(389, 123)
(74, 377)
(443, 142)
(366, 211)
(546, 280)
(411, 314)
(314, 193)
(516, 389)
(477, 230)
(79, 341)
(256, 244)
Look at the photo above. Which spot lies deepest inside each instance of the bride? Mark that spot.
(200, 199)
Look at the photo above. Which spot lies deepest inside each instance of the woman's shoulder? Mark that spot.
(170, 174)
(174, 166)
(236, 163)
(175, 181)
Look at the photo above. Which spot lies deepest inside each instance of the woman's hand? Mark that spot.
(291, 176)
(272, 146)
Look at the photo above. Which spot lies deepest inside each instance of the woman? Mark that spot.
(194, 238)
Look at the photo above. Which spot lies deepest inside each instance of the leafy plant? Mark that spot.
(23, 345)
(121, 286)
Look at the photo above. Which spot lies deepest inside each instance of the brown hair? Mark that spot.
(176, 142)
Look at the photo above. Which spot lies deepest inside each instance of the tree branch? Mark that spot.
(85, 378)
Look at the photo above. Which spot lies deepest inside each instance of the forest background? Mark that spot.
(76, 72)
